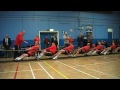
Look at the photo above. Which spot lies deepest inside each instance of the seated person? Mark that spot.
(52, 50)
(83, 49)
(111, 48)
(29, 51)
(65, 50)
(117, 50)
(96, 49)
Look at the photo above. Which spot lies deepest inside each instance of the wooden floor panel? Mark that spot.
(91, 67)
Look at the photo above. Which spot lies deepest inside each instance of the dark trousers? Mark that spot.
(7, 53)
(16, 53)
(66, 45)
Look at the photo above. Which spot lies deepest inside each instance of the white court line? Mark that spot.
(45, 70)
(32, 71)
(99, 72)
(20, 71)
(97, 63)
(78, 70)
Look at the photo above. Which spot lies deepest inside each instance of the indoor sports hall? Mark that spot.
(59, 45)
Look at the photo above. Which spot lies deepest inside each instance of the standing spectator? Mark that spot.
(85, 41)
(37, 39)
(71, 39)
(17, 43)
(55, 40)
(80, 40)
(46, 42)
(66, 39)
(90, 39)
(7, 44)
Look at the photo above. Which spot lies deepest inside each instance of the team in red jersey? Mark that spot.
(96, 49)
(29, 51)
(111, 48)
(52, 50)
(84, 49)
(65, 50)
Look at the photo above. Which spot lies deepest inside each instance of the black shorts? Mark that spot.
(48, 53)
(28, 54)
(66, 51)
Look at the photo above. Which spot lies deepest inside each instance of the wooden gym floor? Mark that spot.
(91, 67)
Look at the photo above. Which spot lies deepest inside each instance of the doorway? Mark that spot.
(43, 34)
(110, 34)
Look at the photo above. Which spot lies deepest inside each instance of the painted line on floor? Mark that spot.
(16, 71)
(79, 70)
(98, 63)
(56, 70)
(31, 71)
(21, 71)
(99, 72)
(45, 70)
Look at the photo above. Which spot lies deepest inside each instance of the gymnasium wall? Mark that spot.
(12, 22)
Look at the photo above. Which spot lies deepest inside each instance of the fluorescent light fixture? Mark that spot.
(51, 30)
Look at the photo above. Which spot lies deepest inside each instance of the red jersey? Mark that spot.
(113, 47)
(19, 39)
(98, 47)
(36, 39)
(69, 48)
(52, 49)
(86, 48)
(71, 39)
(33, 50)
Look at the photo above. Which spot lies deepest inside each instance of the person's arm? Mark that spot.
(28, 49)
(49, 48)
(21, 39)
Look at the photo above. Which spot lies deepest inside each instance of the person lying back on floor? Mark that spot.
(82, 49)
(52, 50)
(29, 51)
(108, 49)
(66, 50)
(96, 49)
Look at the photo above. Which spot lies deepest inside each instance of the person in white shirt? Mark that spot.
(66, 39)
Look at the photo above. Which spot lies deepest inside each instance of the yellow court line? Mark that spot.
(56, 70)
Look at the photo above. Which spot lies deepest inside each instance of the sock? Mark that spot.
(105, 53)
(90, 52)
(55, 57)
(40, 55)
(94, 52)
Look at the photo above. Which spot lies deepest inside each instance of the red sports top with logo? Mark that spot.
(19, 39)
(52, 49)
(33, 50)
(36, 39)
(99, 47)
(86, 48)
(113, 46)
(69, 48)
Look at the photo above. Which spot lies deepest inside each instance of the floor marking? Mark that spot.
(99, 71)
(21, 71)
(31, 71)
(16, 71)
(45, 70)
(78, 70)
(56, 70)
(98, 63)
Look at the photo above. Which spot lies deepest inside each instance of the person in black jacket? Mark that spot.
(55, 40)
(80, 40)
(7, 44)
